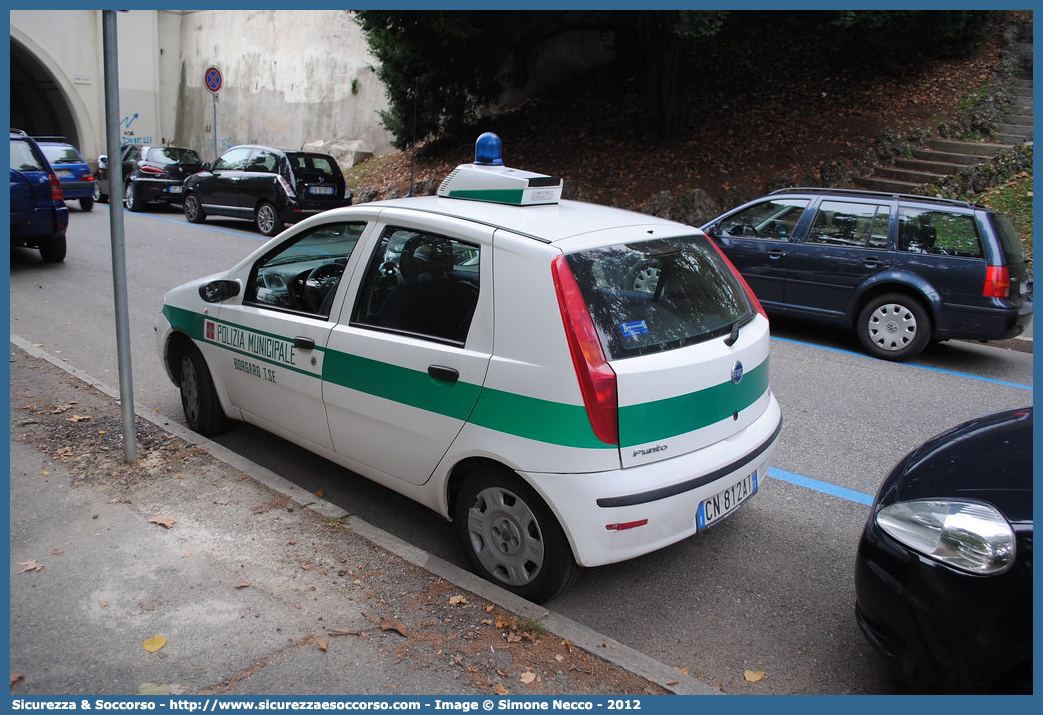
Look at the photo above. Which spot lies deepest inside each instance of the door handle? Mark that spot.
(871, 262)
(776, 254)
(444, 374)
(302, 343)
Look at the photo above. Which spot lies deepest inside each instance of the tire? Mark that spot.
(99, 196)
(54, 250)
(203, 411)
(86, 204)
(193, 209)
(512, 538)
(894, 326)
(267, 219)
(131, 202)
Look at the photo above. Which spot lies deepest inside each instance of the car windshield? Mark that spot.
(59, 154)
(170, 155)
(657, 295)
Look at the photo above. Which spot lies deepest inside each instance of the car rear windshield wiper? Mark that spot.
(730, 340)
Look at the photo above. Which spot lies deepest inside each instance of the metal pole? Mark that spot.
(116, 235)
(213, 95)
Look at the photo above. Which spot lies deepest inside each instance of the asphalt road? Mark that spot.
(769, 589)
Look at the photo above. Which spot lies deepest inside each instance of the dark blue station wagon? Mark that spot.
(901, 270)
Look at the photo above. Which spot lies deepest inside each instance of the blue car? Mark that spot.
(39, 217)
(72, 170)
(901, 271)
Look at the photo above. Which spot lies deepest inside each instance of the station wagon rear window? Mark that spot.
(657, 295)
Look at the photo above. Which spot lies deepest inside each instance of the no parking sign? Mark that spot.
(213, 79)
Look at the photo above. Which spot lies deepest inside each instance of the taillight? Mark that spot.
(745, 286)
(56, 188)
(286, 186)
(146, 169)
(997, 282)
(597, 380)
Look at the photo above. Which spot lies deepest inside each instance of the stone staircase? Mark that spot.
(939, 158)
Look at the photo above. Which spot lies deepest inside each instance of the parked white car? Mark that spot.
(571, 384)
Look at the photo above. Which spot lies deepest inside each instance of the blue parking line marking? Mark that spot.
(820, 486)
(907, 364)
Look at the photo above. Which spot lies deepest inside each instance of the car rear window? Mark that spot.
(313, 163)
(58, 154)
(23, 158)
(1013, 248)
(662, 294)
(172, 155)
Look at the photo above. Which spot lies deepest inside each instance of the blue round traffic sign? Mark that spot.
(212, 79)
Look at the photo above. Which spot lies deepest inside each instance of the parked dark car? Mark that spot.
(271, 187)
(72, 170)
(901, 270)
(943, 577)
(39, 217)
(151, 174)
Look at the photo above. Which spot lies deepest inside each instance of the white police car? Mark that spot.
(571, 384)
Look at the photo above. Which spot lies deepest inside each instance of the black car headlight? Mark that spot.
(970, 536)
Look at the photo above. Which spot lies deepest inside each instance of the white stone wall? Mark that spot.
(290, 77)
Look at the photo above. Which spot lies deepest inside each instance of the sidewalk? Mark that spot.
(254, 586)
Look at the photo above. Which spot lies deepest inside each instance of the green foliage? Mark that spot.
(1014, 198)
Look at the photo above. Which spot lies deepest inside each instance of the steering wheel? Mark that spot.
(319, 282)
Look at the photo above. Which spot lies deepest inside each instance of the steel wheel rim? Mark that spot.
(506, 536)
(128, 196)
(266, 218)
(892, 327)
(190, 390)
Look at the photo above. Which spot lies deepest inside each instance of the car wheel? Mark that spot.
(203, 411)
(646, 278)
(86, 204)
(54, 250)
(512, 538)
(267, 219)
(130, 198)
(193, 209)
(894, 326)
(99, 196)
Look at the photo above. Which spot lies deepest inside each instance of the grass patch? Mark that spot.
(1014, 199)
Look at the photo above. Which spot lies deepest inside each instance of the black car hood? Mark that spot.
(987, 459)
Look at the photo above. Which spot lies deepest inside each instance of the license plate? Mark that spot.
(174, 189)
(321, 190)
(725, 502)
(63, 173)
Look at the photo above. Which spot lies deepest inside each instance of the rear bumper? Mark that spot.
(158, 189)
(666, 493)
(77, 189)
(45, 226)
(984, 323)
(296, 210)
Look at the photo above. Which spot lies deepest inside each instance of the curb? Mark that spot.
(595, 643)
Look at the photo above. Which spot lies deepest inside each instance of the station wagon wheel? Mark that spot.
(267, 219)
(512, 538)
(203, 411)
(193, 209)
(894, 326)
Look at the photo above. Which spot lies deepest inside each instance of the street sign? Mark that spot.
(212, 79)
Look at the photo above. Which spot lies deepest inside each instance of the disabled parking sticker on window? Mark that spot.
(634, 328)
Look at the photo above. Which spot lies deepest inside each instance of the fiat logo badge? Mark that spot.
(736, 372)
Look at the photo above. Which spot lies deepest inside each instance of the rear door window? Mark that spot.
(657, 295)
(851, 225)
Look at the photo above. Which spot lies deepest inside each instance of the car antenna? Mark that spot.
(412, 149)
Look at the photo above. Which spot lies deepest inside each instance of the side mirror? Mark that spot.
(217, 291)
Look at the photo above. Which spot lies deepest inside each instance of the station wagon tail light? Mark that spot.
(56, 188)
(997, 282)
(597, 379)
